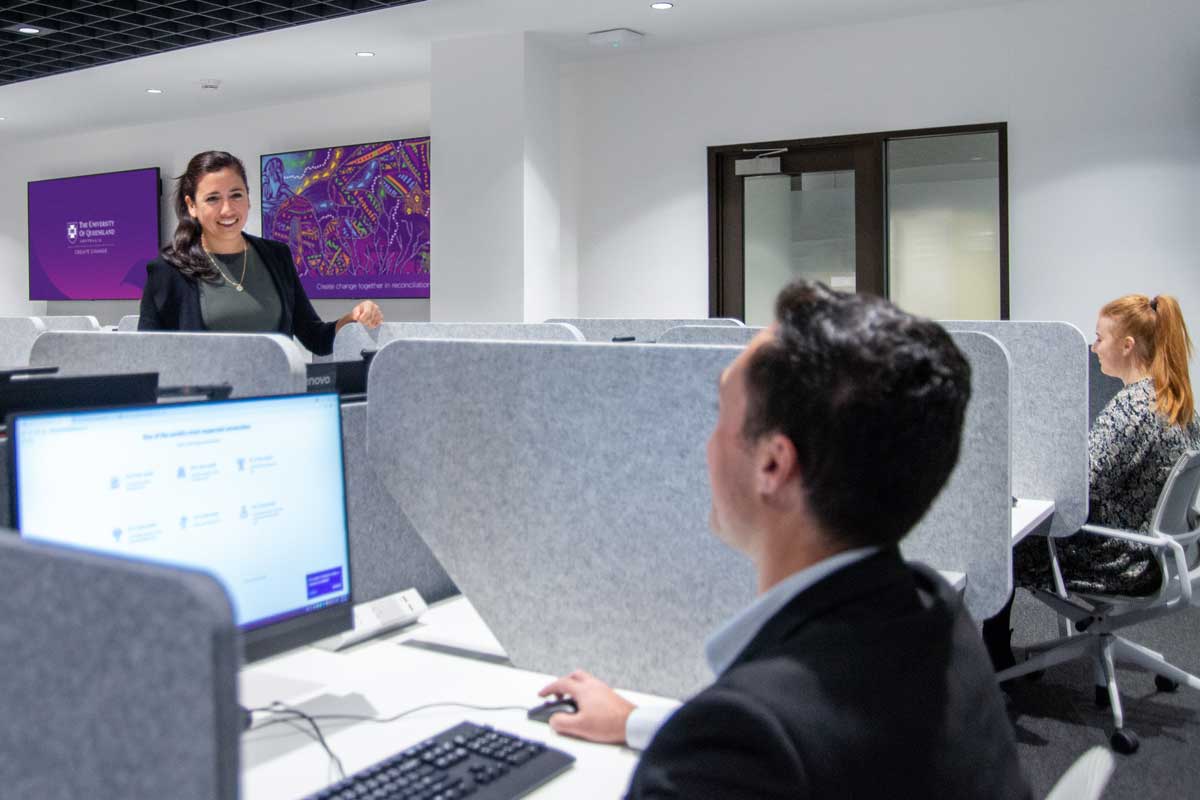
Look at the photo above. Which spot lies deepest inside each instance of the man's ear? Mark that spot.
(775, 463)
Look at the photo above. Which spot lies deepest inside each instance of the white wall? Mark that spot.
(392, 112)
(1102, 99)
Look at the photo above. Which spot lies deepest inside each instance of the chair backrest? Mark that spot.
(1086, 778)
(1175, 514)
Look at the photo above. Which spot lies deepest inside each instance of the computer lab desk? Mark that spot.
(384, 677)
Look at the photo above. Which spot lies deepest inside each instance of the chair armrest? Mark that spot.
(1150, 540)
(1181, 569)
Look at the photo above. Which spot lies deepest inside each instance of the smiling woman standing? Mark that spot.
(214, 277)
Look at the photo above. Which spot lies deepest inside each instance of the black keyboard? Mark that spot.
(467, 760)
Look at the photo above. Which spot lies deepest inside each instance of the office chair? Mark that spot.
(1089, 621)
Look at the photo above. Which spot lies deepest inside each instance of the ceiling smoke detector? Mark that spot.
(617, 37)
(212, 84)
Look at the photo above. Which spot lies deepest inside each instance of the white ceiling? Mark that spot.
(317, 59)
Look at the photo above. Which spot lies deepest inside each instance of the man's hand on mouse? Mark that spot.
(602, 712)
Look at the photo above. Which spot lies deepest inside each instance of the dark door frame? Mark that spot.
(726, 223)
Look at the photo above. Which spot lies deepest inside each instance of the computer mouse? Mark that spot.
(542, 713)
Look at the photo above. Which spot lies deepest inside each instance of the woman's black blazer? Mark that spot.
(171, 302)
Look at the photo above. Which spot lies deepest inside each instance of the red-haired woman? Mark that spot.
(1133, 444)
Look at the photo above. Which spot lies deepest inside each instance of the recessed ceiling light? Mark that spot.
(29, 30)
(364, 54)
(3, 118)
(154, 91)
(662, 6)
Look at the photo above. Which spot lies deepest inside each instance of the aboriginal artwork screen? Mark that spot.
(355, 217)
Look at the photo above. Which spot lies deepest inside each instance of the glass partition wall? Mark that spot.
(917, 216)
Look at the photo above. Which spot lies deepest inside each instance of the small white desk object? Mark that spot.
(1027, 515)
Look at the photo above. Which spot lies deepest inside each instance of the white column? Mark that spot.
(495, 176)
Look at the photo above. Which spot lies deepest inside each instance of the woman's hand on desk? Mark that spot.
(602, 712)
(366, 313)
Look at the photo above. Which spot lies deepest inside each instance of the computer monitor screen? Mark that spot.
(91, 236)
(250, 490)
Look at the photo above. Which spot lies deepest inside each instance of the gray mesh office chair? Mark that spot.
(1093, 619)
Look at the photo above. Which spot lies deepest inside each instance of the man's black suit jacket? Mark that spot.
(171, 302)
(871, 683)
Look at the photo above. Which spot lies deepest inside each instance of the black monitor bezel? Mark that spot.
(257, 642)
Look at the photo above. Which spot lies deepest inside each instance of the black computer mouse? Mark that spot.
(542, 713)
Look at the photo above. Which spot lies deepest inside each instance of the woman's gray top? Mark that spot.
(255, 309)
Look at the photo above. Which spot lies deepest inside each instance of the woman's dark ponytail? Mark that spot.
(185, 251)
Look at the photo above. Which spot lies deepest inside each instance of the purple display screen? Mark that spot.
(90, 237)
(356, 218)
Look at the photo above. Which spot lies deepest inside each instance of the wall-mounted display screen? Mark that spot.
(355, 217)
(90, 237)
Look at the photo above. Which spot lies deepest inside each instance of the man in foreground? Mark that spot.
(853, 674)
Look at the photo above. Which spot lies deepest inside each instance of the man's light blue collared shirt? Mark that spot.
(724, 646)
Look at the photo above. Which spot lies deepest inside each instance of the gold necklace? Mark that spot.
(229, 278)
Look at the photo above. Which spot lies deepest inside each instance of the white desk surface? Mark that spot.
(1027, 515)
(384, 677)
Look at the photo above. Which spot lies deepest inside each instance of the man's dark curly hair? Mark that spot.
(872, 398)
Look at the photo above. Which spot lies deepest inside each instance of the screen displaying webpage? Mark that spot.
(251, 491)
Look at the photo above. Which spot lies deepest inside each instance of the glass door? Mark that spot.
(798, 225)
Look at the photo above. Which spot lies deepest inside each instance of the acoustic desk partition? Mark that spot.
(16, 339)
(1101, 388)
(252, 363)
(564, 489)
(387, 555)
(71, 323)
(352, 339)
(119, 678)
(128, 323)
(739, 335)
(968, 527)
(608, 329)
(1049, 414)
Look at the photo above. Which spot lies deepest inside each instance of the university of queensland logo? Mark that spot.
(72, 232)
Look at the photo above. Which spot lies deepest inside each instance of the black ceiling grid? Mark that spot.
(88, 33)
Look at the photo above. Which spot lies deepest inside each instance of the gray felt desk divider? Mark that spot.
(968, 528)
(387, 555)
(5, 493)
(253, 363)
(119, 678)
(738, 335)
(605, 329)
(16, 339)
(1049, 414)
(127, 323)
(352, 339)
(563, 500)
(1101, 388)
(71, 323)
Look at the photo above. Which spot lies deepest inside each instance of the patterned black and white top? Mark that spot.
(1131, 450)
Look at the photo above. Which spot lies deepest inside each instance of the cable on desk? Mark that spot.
(282, 709)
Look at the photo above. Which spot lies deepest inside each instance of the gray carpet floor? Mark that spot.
(1056, 719)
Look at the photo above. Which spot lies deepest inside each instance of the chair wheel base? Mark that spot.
(1124, 741)
(1101, 697)
(1165, 684)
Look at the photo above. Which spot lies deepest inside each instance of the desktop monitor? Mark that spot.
(91, 236)
(39, 392)
(249, 490)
